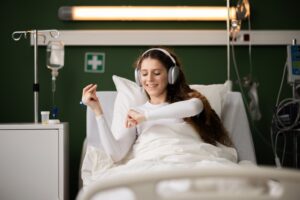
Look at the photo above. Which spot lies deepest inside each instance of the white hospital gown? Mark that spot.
(117, 148)
(165, 141)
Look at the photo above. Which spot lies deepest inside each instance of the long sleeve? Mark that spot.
(180, 109)
(116, 148)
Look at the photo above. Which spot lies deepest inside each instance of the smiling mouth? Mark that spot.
(151, 85)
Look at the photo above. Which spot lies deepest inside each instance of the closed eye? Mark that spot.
(157, 72)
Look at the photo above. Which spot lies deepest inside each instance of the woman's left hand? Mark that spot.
(134, 118)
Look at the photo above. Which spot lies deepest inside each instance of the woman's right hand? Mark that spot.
(134, 118)
(90, 98)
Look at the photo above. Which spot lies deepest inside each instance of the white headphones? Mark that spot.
(172, 73)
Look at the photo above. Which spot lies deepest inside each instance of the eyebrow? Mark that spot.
(151, 70)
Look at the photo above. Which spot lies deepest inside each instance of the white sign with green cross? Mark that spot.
(94, 62)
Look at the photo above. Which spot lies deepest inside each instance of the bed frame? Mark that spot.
(144, 186)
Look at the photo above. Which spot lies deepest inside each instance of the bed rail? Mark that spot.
(144, 186)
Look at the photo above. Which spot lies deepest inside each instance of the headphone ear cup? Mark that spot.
(173, 74)
(137, 77)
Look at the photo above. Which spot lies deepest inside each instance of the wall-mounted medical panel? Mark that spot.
(170, 37)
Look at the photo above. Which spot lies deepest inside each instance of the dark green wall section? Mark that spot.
(203, 65)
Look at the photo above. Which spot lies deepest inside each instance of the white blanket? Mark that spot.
(160, 147)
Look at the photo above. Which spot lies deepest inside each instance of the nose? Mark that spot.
(150, 77)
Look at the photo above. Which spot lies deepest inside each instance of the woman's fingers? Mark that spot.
(130, 122)
(86, 88)
(93, 97)
(136, 116)
(92, 89)
(89, 88)
(133, 118)
(89, 96)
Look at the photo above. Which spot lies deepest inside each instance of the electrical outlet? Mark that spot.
(246, 37)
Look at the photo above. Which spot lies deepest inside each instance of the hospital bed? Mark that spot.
(273, 183)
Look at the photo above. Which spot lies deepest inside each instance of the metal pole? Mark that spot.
(228, 39)
(35, 84)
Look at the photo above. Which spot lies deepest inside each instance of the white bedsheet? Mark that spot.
(165, 147)
(159, 148)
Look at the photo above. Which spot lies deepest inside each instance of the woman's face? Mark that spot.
(154, 79)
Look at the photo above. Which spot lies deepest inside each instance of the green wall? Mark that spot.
(203, 64)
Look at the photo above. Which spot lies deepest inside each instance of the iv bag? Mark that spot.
(55, 55)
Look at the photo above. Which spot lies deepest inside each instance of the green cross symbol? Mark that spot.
(94, 62)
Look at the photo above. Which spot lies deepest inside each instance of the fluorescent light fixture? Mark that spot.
(146, 13)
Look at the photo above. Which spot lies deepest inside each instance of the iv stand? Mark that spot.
(16, 36)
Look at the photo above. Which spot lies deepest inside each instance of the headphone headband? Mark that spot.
(161, 50)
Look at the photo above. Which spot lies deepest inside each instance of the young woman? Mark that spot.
(171, 100)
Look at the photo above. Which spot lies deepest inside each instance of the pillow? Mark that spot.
(215, 94)
(129, 95)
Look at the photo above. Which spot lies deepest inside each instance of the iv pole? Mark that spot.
(16, 36)
(228, 40)
(36, 86)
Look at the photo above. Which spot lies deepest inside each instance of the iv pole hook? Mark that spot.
(17, 35)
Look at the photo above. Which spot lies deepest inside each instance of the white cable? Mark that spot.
(274, 147)
(282, 79)
(276, 140)
(284, 148)
(281, 127)
(296, 152)
(279, 106)
(277, 159)
(250, 48)
(283, 104)
(237, 71)
(272, 142)
(243, 93)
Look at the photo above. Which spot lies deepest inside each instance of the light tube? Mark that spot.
(145, 13)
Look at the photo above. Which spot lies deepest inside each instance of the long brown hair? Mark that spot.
(207, 123)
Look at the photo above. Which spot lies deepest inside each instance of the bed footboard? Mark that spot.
(145, 186)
